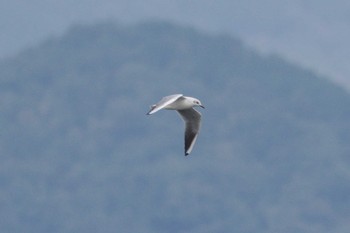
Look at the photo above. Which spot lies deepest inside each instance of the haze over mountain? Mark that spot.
(311, 33)
(78, 153)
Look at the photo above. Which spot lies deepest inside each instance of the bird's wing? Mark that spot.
(192, 120)
(163, 103)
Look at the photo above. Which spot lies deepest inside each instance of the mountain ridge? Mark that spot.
(79, 153)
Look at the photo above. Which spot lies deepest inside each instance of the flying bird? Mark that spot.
(184, 106)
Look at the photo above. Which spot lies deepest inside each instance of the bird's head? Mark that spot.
(196, 102)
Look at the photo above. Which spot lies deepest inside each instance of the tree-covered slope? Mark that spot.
(79, 154)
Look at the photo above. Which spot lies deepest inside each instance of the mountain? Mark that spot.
(79, 154)
(312, 33)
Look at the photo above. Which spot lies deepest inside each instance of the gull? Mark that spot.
(184, 106)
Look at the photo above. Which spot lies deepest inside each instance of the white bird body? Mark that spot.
(181, 103)
(184, 106)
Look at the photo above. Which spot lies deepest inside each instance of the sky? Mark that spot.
(311, 33)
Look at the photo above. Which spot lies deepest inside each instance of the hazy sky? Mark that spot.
(314, 33)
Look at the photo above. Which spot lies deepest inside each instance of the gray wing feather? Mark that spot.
(163, 103)
(192, 120)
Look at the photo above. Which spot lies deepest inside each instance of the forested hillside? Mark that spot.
(78, 153)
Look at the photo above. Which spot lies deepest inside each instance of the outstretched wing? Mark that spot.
(163, 103)
(192, 120)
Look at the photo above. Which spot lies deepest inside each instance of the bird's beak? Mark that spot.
(201, 106)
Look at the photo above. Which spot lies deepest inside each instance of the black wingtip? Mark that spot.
(186, 153)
